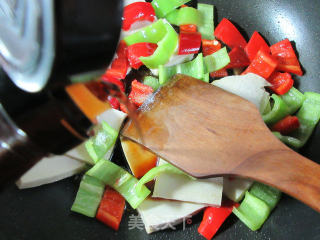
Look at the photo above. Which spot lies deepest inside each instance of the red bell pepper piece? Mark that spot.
(138, 50)
(256, 43)
(263, 64)
(111, 208)
(114, 102)
(229, 34)
(114, 81)
(138, 11)
(210, 46)
(287, 59)
(219, 74)
(189, 43)
(119, 66)
(214, 217)
(188, 28)
(139, 92)
(281, 82)
(238, 58)
(286, 125)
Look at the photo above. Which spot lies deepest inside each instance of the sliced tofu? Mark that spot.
(159, 214)
(235, 188)
(49, 170)
(182, 188)
(115, 119)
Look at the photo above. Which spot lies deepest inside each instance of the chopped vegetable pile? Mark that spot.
(159, 40)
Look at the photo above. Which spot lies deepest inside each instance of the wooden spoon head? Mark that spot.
(202, 129)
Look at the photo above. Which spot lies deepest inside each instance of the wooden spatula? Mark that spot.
(208, 132)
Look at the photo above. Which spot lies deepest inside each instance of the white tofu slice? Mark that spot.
(115, 119)
(159, 214)
(49, 170)
(235, 188)
(182, 188)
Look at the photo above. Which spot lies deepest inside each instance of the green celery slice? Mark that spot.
(152, 82)
(152, 34)
(269, 195)
(163, 7)
(278, 111)
(194, 68)
(309, 116)
(89, 196)
(217, 60)
(183, 16)
(294, 99)
(253, 212)
(206, 77)
(166, 48)
(206, 23)
(120, 180)
(98, 145)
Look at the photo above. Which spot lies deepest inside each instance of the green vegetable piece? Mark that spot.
(152, 82)
(206, 77)
(183, 16)
(103, 140)
(278, 111)
(154, 172)
(294, 99)
(166, 48)
(269, 195)
(152, 34)
(120, 180)
(194, 68)
(253, 212)
(206, 23)
(309, 116)
(217, 60)
(163, 7)
(88, 197)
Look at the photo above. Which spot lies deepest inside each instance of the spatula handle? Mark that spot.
(288, 171)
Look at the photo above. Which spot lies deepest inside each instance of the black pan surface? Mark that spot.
(44, 212)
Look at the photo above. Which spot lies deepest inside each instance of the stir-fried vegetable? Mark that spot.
(88, 196)
(104, 139)
(120, 180)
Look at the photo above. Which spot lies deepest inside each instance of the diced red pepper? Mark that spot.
(138, 50)
(139, 92)
(229, 34)
(238, 58)
(114, 102)
(214, 217)
(286, 125)
(287, 59)
(281, 82)
(138, 11)
(112, 80)
(219, 74)
(119, 66)
(188, 28)
(256, 43)
(263, 64)
(111, 208)
(189, 43)
(210, 46)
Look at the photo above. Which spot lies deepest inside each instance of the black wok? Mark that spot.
(44, 212)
